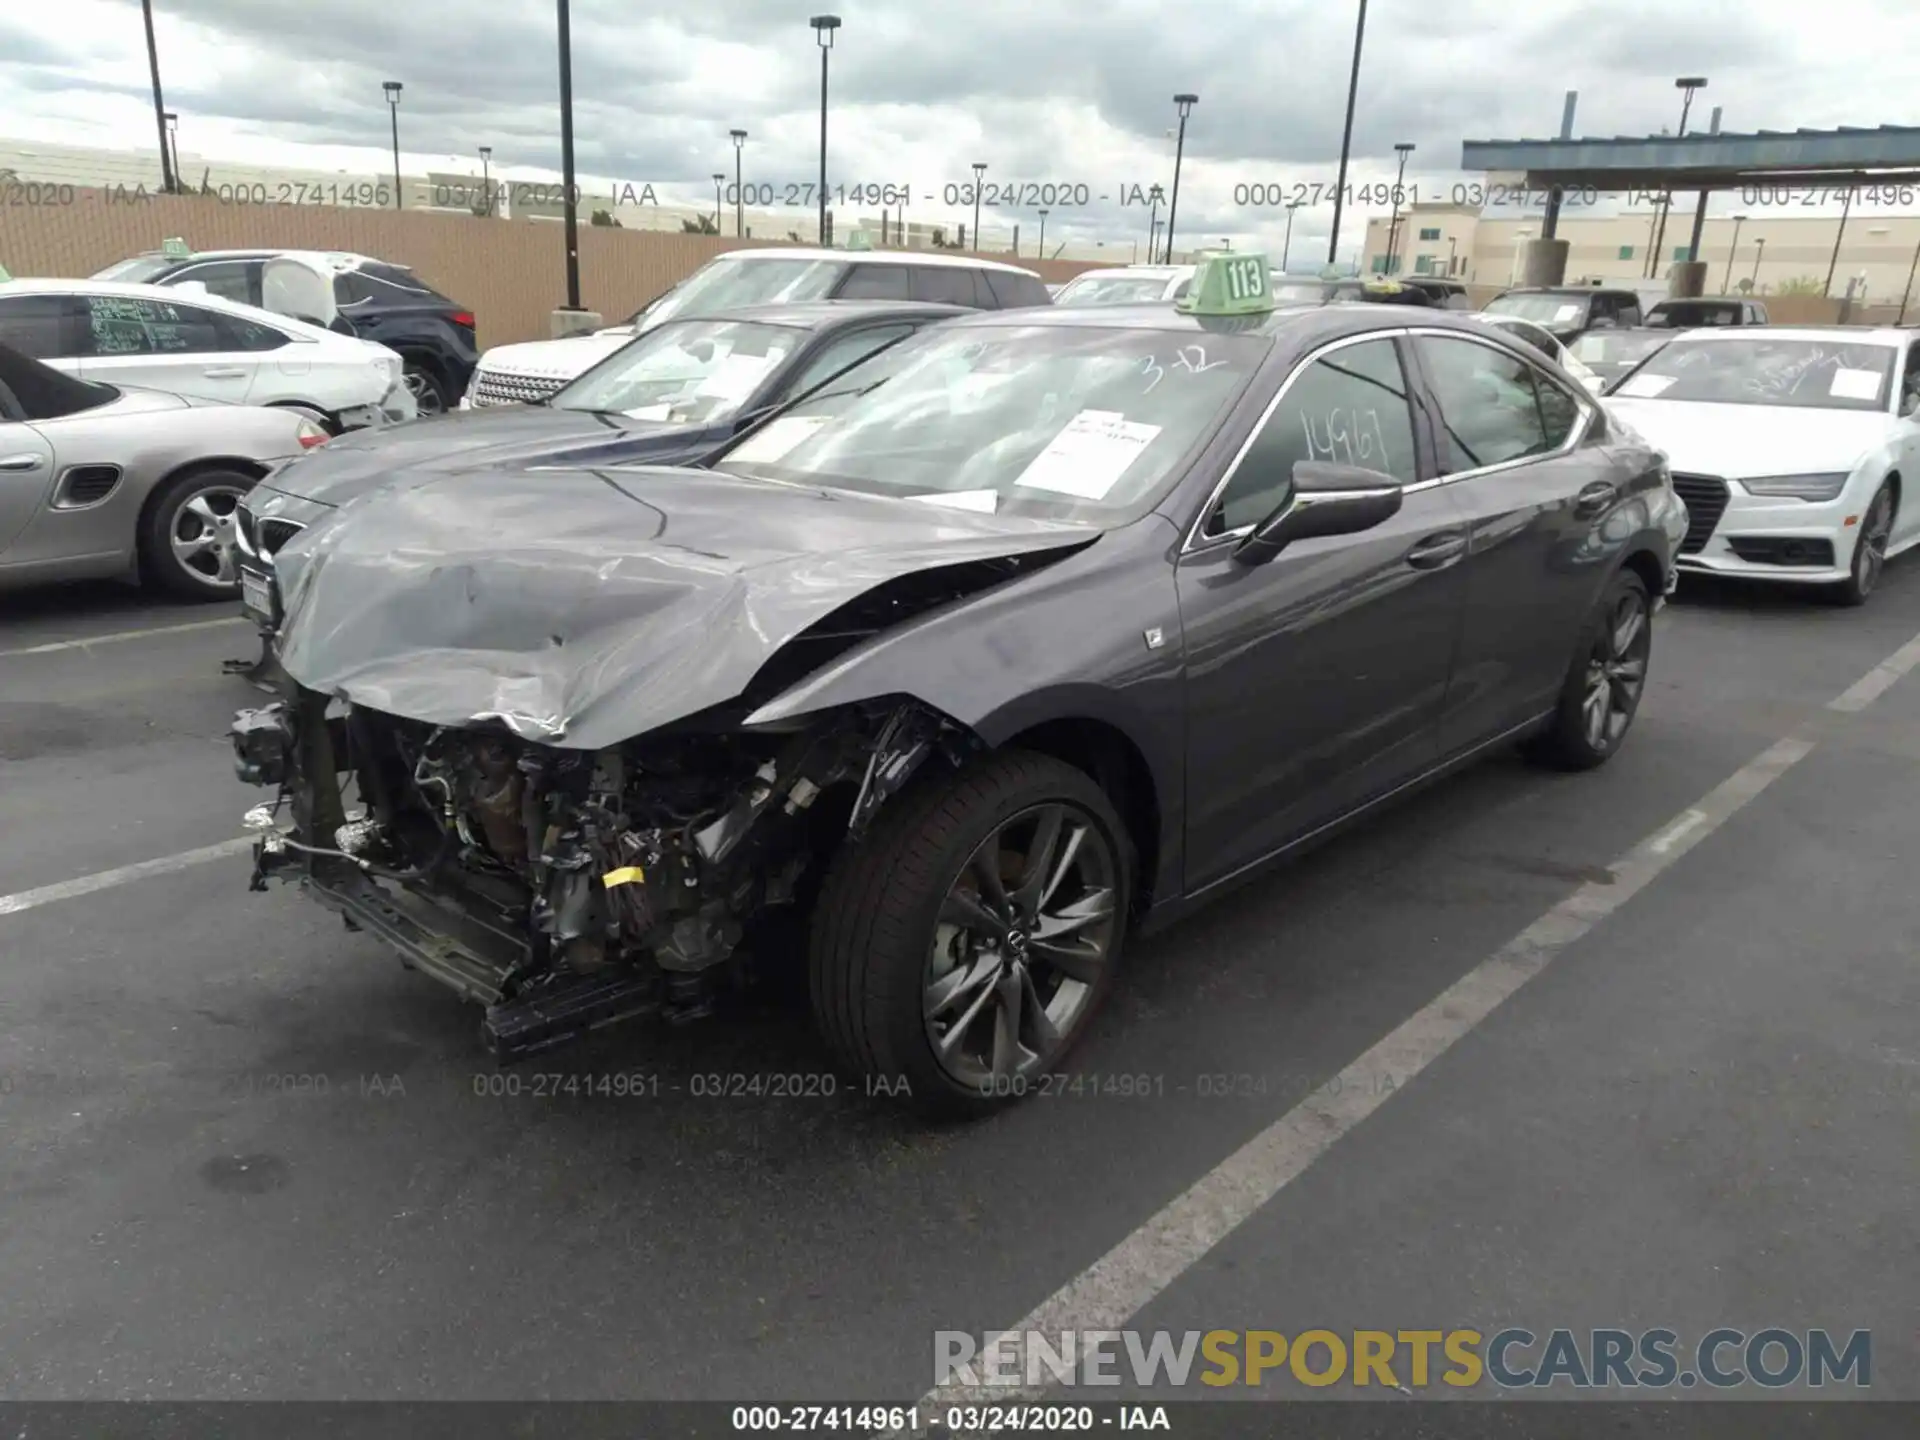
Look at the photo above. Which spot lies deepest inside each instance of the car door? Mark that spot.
(163, 345)
(1532, 493)
(1315, 682)
(26, 472)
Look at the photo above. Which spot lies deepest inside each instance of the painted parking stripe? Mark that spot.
(107, 879)
(119, 635)
(1122, 1282)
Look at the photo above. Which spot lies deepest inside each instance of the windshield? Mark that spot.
(726, 283)
(1544, 309)
(137, 271)
(1085, 424)
(1759, 369)
(687, 372)
(1113, 290)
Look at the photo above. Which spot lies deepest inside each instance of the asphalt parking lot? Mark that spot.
(248, 1156)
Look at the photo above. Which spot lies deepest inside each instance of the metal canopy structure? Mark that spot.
(1856, 156)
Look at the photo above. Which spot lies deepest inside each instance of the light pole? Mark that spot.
(823, 28)
(1184, 103)
(173, 142)
(1686, 84)
(1726, 281)
(169, 178)
(392, 87)
(1759, 249)
(1041, 253)
(1905, 294)
(1846, 207)
(1346, 136)
(1405, 147)
(569, 195)
(979, 170)
(1153, 222)
(1286, 246)
(486, 177)
(719, 179)
(1153, 243)
(739, 214)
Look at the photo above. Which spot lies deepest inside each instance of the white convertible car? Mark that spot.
(1793, 448)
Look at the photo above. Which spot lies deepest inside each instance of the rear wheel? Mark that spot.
(1869, 551)
(964, 945)
(1605, 682)
(424, 383)
(188, 541)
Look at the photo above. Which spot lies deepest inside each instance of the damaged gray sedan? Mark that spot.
(1037, 627)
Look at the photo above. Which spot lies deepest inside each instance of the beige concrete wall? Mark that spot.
(510, 273)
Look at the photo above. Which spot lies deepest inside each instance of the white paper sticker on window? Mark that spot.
(735, 377)
(1089, 456)
(1566, 312)
(775, 440)
(1855, 385)
(650, 412)
(985, 501)
(1645, 387)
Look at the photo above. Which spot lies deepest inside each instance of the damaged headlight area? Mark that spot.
(566, 890)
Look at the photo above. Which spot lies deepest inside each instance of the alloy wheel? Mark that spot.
(1024, 935)
(425, 391)
(204, 535)
(1616, 672)
(1872, 558)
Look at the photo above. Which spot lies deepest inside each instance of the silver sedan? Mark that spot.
(101, 480)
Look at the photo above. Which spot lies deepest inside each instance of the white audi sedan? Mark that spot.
(1793, 448)
(188, 342)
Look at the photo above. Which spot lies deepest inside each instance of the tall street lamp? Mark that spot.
(823, 28)
(392, 87)
(1726, 281)
(1153, 221)
(739, 138)
(169, 178)
(1846, 208)
(1184, 103)
(173, 143)
(979, 172)
(1905, 294)
(486, 177)
(1405, 147)
(1286, 246)
(1759, 249)
(1686, 84)
(1346, 136)
(569, 194)
(719, 179)
(1042, 251)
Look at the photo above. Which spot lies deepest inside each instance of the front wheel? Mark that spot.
(1605, 682)
(1869, 551)
(961, 948)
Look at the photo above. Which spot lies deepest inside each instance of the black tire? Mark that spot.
(430, 388)
(1869, 551)
(877, 923)
(169, 513)
(1572, 741)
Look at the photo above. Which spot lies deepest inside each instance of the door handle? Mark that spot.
(225, 372)
(1595, 498)
(21, 462)
(1437, 551)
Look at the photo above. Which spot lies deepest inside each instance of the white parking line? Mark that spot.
(105, 879)
(1120, 1283)
(120, 635)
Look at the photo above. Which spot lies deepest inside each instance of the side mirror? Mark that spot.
(1910, 404)
(1324, 499)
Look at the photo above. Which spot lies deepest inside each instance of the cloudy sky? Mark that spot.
(1040, 90)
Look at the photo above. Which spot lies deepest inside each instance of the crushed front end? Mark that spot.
(566, 890)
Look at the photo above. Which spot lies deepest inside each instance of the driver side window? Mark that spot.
(1349, 407)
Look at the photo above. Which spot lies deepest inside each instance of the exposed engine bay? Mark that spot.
(566, 889)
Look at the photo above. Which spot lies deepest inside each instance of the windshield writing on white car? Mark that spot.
(1753, 368)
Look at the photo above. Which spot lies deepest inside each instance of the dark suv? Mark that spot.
(1569, 311)
(353, 294)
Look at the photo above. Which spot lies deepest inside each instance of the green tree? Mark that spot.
(1801, 285)
(701, 225)
(605, 217)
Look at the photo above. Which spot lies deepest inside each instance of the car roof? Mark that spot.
(874, 257)
(1158, 272)
(1569, 290)
(162, 293)
(1861, 334)
(1706, 300)
(329, 259)
(1310, 322)
(824, 314)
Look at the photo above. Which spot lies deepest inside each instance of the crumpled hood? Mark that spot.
(502, 435)
(582, 608)
(1734, 441)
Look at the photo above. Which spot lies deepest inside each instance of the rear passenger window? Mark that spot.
(1348, 407)
(948, 285)
(36, 325)
(874, 282)
(1494, 407)
(248, 334)
(1014, 291)
(117, 325)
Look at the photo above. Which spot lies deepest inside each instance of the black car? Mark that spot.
(1699, 311)
(353, 294)
(1032, 629)
(668, 397)
(1351, 289)
(1567, 312)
